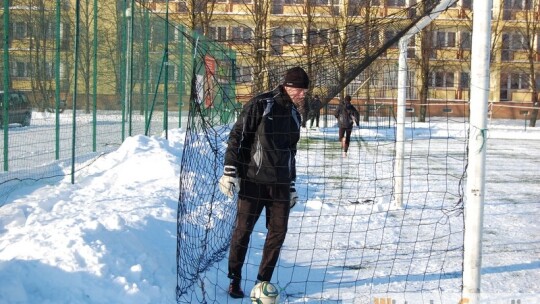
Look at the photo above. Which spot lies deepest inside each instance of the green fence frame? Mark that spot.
(117, 60)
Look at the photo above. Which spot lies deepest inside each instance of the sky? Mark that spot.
(111, 236)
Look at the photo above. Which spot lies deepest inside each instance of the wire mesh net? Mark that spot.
(345, 242)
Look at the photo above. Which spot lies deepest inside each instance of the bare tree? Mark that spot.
(426, 39)
(258, 16)
(39, 16)
(110, 41)
(200, 14)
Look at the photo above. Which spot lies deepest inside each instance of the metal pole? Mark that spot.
(75, 79)
(123, 69)
(400, 123)
(94, 75)
(181, 86)
(6, 85)
(474, 195)
(166, 78)
(58, 41)
(129, 55)
(146, 33)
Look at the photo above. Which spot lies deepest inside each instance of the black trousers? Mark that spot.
(252, 199)
(315, 117)
(345, 132)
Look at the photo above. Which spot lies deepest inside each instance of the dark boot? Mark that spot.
(234, 289)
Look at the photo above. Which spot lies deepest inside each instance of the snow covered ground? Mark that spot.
(111, 236)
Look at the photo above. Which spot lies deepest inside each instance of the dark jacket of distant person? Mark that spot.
(347, 115)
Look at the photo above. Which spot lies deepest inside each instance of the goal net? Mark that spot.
(346, 242)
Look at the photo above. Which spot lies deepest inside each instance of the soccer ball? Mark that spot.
(264, 293)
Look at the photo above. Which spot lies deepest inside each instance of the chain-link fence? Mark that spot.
(77, 79)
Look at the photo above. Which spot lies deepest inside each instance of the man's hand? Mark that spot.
(228, 183)
(294, 196)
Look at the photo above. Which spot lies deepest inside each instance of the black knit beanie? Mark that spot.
(297, 78)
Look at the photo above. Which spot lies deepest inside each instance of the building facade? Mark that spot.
(270, 31)
(325, 36)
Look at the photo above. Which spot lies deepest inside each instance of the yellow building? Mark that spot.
(268, 31)
(322, 35)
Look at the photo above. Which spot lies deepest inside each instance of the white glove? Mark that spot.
(294, 196)
(228, 183)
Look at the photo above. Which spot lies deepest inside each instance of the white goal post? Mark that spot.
(475, 189)
(474, 196)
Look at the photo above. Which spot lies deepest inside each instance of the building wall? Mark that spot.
(454, 58)
(232, 19)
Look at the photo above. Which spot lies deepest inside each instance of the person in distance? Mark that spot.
(346, 115)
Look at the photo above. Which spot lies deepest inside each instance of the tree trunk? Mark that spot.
(534, 114)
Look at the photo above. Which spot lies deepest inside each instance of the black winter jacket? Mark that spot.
(347, 115)
(262, 142)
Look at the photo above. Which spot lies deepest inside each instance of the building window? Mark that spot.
(518, 42)
(517, 4)
(19, 30)
(323, 37)
(335, 10)
(320, 2)
(515, 81)
(21, 69)
(48, 30)
(277, 7)
(444, 39)
(464, 80)
(244, 74)
(292, 35)
(218, 33)
(507, 55)
(241, 34)
(318, 36)
(276, 42)
(182, 7)
(298, 36)
(48, 70)
(397, 3)
(441, 79)
(510, 43)
(465, 40)
(466, 3)
(519, 81)
(354, 7)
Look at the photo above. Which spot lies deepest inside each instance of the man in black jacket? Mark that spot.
(315, 110)
(260, 165)
(347, 115)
